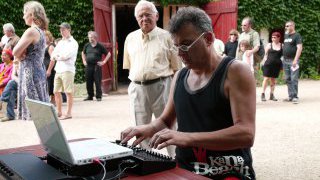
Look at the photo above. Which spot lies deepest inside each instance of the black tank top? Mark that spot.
(274, 56)
(46, 59)
(206, 110)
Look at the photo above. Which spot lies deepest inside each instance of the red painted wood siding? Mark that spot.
(224, 16)
(102, 13)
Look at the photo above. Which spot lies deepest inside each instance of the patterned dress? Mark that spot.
(32, 76)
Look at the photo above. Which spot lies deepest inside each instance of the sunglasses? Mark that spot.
(232, 34)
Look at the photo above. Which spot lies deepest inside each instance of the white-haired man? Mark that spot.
(10, 39)
(151, 62)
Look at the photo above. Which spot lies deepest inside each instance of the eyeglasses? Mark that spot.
(147, 15)
(232, 34)
(186, 48)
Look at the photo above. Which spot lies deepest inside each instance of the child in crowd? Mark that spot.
(9, 95)
(5, 68)
(244, 47)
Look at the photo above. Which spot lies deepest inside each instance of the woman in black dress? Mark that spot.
(272, 65)
(47, 57)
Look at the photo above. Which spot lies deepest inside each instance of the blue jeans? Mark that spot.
(292, 78)
(9, 95)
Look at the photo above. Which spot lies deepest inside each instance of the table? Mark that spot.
(172, 174)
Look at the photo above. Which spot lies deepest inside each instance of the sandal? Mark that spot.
(64, 117)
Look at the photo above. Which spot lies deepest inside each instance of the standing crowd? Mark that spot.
(36, 66)
(204, 112)
(276, 56)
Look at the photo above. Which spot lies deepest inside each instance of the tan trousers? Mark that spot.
(148, 100)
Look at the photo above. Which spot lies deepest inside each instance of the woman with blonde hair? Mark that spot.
(30, 52)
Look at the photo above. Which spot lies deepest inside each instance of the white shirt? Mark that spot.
(149, 56)
(248, 60)
(65, 53)
(218, 46)
(4, 39)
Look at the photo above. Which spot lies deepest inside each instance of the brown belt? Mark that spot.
(148, 82)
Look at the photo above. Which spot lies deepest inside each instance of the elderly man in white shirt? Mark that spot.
(65, 54)
(151, 62)
(218, 45)
(10, 39)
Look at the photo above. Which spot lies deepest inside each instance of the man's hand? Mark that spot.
(168, 137)
(294, 63)
(101, 63)
(140, 132)
(57, 57)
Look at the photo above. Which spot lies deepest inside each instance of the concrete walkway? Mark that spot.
(287, 135)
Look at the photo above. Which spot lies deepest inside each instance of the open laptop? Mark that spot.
(53, 139)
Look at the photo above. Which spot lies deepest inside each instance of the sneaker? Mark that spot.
(2, 114)
(295, 101)
(99, 99)
(4, 119)
(3, 111)
(88, 99)
(263, 97)
(287, 100)
(272, 97)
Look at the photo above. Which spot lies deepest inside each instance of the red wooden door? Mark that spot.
(223, 14)
(102, 13)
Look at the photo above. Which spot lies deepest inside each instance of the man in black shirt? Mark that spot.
(213, 100)
(291, 53)
(91, 58)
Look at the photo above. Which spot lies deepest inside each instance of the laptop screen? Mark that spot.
(49, 129)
